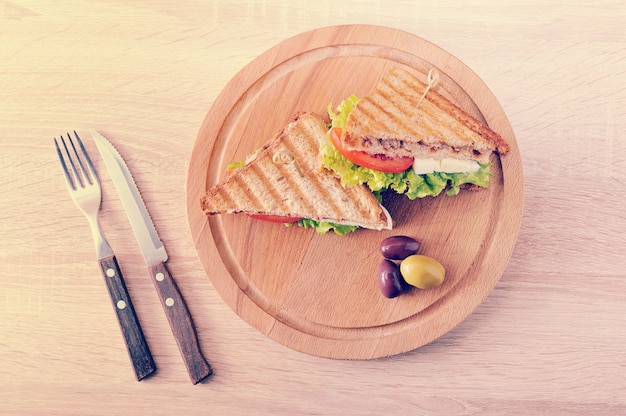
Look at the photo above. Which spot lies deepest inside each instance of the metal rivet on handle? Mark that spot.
(159, 276)
(110, 272)
(169, 301)
(121, 304)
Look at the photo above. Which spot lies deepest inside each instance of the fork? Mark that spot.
(84, 187)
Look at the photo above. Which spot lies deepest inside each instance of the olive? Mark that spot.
(398, 247)
(390, 279)
(422, 272)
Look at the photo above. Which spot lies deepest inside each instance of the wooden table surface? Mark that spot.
(550, 339)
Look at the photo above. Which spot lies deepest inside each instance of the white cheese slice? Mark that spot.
(448, 165)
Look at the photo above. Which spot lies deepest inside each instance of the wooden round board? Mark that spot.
(319, 293)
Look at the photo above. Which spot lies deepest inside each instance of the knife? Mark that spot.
(155, 257)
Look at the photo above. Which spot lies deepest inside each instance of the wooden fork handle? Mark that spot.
(138, 350)
(180, 322)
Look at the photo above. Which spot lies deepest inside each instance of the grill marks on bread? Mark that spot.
(263, 186)
(308, 152)
(388, 121)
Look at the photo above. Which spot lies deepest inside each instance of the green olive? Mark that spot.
(422, 272)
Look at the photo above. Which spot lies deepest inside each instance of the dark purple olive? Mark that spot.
(390, 280)
(398, 247)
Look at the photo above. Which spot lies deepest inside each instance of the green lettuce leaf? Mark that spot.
(408, 183)
(324, 227)
(235, 165)
(344, 108)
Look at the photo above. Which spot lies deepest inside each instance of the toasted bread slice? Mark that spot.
(388, 121)
(297, 188)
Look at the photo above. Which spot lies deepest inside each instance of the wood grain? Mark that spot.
(138, 349)
(319, 294)
(548, 340)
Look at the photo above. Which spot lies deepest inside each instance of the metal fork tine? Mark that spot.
(92, 175)
(83, 171)
(78, 182)
(83, 177)
(68, 177)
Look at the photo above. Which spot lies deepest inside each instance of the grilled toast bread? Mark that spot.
(389, 121)
(286, 178)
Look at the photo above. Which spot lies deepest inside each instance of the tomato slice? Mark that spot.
(274, 218)
(380, 163)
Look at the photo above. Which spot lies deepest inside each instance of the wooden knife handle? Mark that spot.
(181, 323)
(136, 344)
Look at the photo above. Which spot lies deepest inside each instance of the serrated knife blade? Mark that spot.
(155, 257)
(146, 234)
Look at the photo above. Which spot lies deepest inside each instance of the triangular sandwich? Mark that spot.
(389, 121)
(285, 178)
(406, 136)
